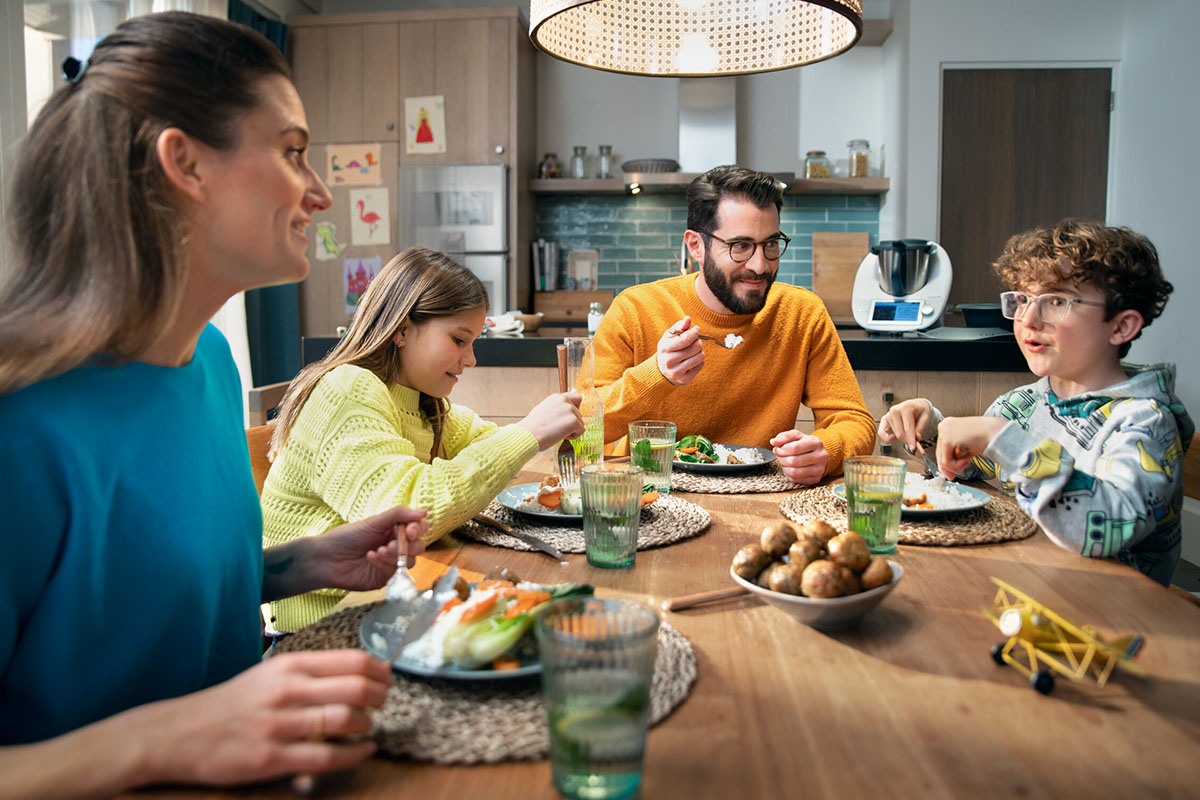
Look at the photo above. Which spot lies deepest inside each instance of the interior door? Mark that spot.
(1020, 148)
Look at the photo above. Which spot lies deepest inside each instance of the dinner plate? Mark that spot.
(382, 621)
(728, 469)
(512, 497)
(979, 499)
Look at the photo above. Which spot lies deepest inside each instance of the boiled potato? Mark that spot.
(822, 579)
(764, 577)
(878, 573)
(850, 581)
(786, 578)
(777, 537)
(819, 529)
(750, 561)
(805, 551)
(849, 550)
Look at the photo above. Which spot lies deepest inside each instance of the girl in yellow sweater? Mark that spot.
(369, 426)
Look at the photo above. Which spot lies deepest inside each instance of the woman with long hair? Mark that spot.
(369, 425)
(167, 175)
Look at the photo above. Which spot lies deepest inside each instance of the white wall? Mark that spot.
(638, 116)
(1156, 172)
(1014, 32)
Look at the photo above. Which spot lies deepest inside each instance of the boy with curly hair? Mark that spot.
(1094, 449)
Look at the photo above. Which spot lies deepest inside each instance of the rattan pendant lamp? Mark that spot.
(694, 38)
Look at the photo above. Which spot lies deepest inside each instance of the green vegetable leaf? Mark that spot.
(643, 457)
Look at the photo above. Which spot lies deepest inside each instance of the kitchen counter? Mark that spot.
(867, 351)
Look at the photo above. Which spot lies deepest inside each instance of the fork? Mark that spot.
(401, 585)
(565, 460)
(721, 342)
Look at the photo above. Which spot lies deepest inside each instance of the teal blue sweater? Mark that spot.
(131, 541)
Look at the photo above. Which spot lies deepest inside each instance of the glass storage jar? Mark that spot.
(604, 163)
(860, 157)
(550, 166)
(816, 165)
(579, 162)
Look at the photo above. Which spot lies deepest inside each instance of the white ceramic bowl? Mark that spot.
(831, 614)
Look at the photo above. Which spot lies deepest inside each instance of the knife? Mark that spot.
(528, 538)
(443, 590)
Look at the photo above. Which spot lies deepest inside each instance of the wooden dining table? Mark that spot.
(907, 704)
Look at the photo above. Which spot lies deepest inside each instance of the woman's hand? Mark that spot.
(286, 715)
(905, 421)
(362, 555)
(357, 556)
(275, 719)
(554, 419)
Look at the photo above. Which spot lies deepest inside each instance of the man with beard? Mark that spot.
(651, 363)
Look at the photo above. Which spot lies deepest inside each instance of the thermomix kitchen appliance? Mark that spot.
(901, 285)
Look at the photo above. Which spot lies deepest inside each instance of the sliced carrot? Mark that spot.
(502, 662)
(451, 603)
(550, 499)
(479, 610)
(688, 450)
(526, 599)
(649, 497)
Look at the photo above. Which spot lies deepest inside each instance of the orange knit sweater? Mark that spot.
(791, 355)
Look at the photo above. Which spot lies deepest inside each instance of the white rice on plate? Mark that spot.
(745, 455)
(939, 493)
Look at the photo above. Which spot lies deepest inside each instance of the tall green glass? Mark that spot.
(597, 667)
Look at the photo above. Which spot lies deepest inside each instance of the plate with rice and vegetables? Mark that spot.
(551, 503)
(699, 454)
(482, 633)
(931, 497)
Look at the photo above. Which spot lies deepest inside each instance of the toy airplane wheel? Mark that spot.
(1042, 681)
(998, 653)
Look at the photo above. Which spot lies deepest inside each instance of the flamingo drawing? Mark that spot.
(369, 217)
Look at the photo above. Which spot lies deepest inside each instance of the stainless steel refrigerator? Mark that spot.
(461, 210)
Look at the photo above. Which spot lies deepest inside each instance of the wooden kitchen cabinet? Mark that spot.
(347, 76)
(467, 61)
(353, 72)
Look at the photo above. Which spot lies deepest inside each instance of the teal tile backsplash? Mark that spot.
(638, 237)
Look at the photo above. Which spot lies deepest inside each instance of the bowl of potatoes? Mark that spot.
(824, 579)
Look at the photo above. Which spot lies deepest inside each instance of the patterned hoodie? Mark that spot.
(1101, 473)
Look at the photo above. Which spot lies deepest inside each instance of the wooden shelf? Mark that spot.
(840, 186)
(676, 182)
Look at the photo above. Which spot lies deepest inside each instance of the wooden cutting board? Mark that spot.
(835, 259)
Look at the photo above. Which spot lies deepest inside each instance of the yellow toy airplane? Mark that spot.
(1041, 643)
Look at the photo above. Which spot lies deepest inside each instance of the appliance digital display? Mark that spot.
(895, 312)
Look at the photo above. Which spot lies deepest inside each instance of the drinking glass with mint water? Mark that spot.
(597, 668)
(652, 447)
(611, 495)
(874, 491)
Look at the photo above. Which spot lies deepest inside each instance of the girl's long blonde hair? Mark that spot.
(415, 286)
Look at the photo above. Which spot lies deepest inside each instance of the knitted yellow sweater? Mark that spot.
(359, 447)
(791, 355)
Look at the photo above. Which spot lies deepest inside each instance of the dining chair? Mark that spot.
(258, 439)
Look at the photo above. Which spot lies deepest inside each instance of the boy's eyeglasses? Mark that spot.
(1050, 307)
(742, 250)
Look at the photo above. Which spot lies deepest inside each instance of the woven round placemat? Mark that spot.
(474, 722)
(768, 479)
(1001, 520)
(665, 521)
